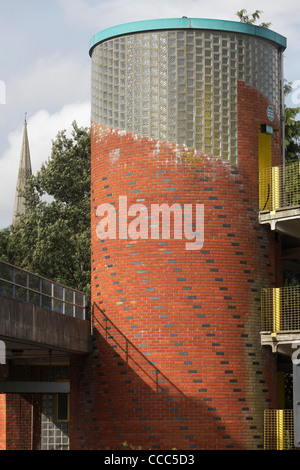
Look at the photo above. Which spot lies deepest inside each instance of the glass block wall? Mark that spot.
(181, 85)
(54, 435)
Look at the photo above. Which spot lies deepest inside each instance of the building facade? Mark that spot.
(187, 232)
(185, 113)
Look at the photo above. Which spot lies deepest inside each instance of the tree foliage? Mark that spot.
(292, 124)
(292, 130)
(53, 238)
(245, 17)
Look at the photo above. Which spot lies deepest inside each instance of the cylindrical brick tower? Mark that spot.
(177, 112)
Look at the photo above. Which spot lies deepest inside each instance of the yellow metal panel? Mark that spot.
(276, 310)
(275, 188)
(279, 430)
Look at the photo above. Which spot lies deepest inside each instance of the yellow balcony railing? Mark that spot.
(280, 309)
(279, 430)
(279, 187)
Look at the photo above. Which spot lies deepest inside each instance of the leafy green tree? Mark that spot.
(292, 124)
(246, 18)
(292, 130)
(53, 238)
(4, 244)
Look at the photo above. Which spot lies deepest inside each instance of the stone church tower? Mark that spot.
(24, 174)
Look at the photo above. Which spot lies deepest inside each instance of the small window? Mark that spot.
(62, 407)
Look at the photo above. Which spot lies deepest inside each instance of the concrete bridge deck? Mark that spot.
(40, 322)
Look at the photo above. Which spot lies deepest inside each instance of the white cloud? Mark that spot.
(98, 15)
(42, 130)
(49, 82)
(105, 13)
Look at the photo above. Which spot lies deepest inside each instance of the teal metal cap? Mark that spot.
(187, 23)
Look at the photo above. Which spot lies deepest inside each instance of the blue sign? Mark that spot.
(270, 113)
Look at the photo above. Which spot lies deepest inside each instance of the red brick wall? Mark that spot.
(2, 421)
(18, 422)
(178, 362)
(18, 431)
(36, 421)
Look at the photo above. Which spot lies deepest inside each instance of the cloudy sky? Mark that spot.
(45, 65)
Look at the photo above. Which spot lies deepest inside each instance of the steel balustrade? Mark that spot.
(280, 309)
(28, 287)
(279, 187)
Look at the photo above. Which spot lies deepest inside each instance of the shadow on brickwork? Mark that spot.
(132, 356)
(120, 395)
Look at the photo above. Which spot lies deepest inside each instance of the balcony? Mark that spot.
(279, 198)
(40, 318)
(24, 286)
(280, 319)
(279, 430)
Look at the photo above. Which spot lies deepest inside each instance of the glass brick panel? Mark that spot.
(54, 434)
(181, 72)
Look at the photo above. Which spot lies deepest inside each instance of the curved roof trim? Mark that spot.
(187, 23)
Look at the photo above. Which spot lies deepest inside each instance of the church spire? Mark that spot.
(24, 174)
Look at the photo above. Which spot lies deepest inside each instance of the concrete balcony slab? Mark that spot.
(30, 331)
(285, 220)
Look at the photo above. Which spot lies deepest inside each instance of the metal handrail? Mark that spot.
(279, 187)
(71, 302)
(280, 309)
(132, 353)
(278, 429)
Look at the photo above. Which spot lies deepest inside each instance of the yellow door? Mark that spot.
(265, 171)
